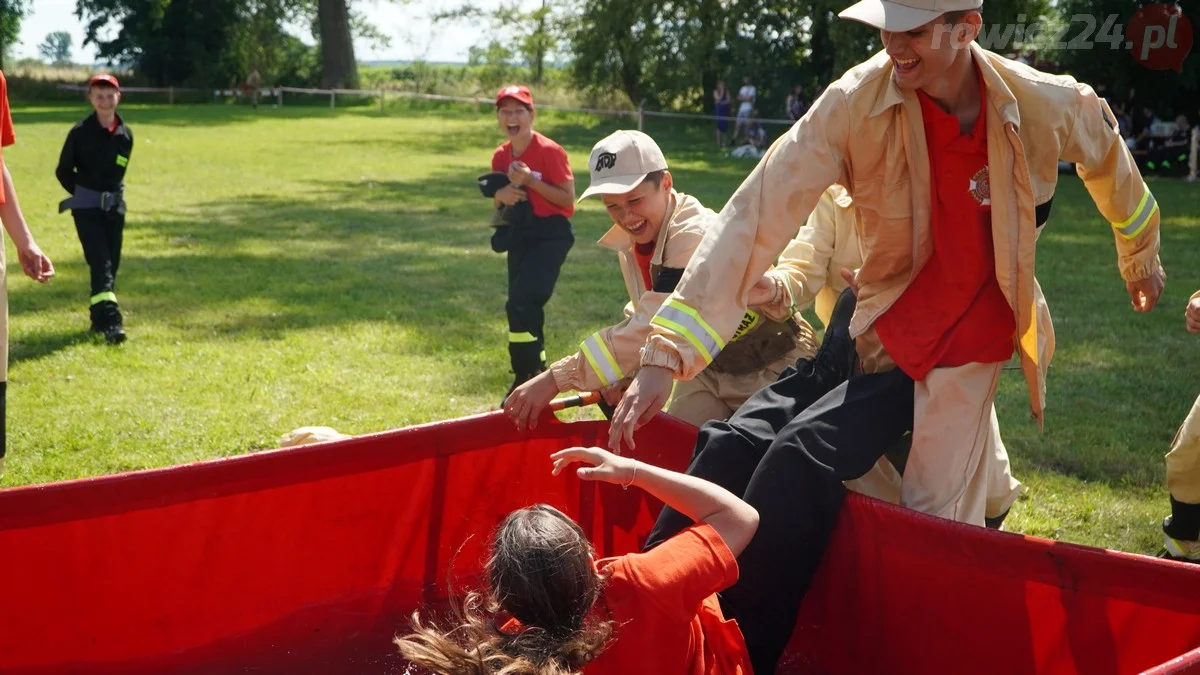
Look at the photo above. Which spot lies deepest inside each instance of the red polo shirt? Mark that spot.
(7, 137)
(953, 313)
(549, 164)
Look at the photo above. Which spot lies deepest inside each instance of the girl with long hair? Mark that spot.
(552, 608)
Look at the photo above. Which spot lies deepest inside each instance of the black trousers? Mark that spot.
(101, 234)
(535, 257)
(786, 452)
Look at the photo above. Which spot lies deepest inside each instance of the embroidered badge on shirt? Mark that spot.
(981, 187)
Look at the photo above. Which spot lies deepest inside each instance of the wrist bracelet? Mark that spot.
(625, 486)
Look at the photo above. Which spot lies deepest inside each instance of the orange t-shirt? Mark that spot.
(7, 137)
(549, 164)
(953, 313)
(664, 603)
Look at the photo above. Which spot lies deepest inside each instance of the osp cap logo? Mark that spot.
(606, 160)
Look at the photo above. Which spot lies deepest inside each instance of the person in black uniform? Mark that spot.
(92, 168)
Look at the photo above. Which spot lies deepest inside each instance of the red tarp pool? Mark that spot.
(305, 561)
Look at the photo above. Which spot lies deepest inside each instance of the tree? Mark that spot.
(56, 48)
(169, 42)
(338, 67)
(11, 14)
(534, 34)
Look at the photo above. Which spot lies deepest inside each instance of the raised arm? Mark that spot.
(740, 245)
(704, 502)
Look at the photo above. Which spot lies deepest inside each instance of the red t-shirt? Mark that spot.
(643, 253)
(664, 603)
(7, 137)
(953, 313)
(549, 164)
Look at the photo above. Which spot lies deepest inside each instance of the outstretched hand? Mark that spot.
(643, 400)
(601, 465)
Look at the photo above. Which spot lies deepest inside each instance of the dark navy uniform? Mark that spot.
(92, 168)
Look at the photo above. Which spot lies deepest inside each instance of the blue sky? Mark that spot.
(406, 23)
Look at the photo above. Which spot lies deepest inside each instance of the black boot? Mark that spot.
(107, 319)
(837, 357)
(1184, 521)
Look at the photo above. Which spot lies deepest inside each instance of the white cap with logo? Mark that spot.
(621, 161)
(904, 15)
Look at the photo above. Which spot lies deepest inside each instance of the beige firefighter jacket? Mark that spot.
(613, 353)
(866, 133)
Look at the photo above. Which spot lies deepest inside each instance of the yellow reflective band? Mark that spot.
(1141, 216)
(542, 356)
(521, 337)
(122, 161)
(601, 359)
(101, 297)
(749, 321)
(687, 323)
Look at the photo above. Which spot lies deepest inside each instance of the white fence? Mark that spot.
(640, 114)
(277, 93)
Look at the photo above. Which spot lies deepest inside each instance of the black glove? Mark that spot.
(490, 183)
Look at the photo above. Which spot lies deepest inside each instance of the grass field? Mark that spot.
(306, 266)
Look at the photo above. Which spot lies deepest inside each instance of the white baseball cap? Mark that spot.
(905, 15)
(621, 161)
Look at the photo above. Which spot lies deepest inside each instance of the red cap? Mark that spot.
(516, 93)
(105, 78)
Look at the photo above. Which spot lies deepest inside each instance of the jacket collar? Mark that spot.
(999, 95)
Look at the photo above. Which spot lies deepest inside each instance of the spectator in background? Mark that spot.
(254, 82)
(1144, 120)
(796, 105)
(1170, 155)
(754, 142)
(756, 135)
(747, 96)
(722, 107)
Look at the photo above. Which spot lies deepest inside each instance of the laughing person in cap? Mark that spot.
(92, 168)
(950, 153)
(655, 231)
(539, 171)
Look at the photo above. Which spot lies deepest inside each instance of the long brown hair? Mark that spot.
(540, 573)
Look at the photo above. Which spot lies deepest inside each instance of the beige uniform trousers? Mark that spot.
(1183, 461)
(956, 452)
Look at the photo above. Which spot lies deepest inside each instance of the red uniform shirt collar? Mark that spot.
(942, 127)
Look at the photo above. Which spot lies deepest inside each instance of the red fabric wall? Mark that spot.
(307, 561)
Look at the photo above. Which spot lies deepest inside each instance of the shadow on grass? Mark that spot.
(41, 345)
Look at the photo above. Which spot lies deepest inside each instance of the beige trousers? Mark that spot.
(958, 467)
(1183, 461)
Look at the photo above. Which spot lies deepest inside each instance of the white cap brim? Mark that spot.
(890, 16)
(613, 185)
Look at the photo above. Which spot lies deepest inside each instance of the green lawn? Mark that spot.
(306, 266)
